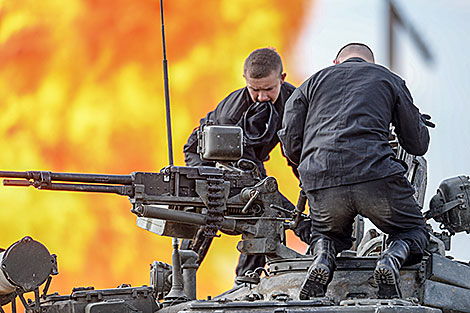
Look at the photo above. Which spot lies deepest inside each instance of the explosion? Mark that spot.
(82, 91)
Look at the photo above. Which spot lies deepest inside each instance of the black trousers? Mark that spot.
(387, 202)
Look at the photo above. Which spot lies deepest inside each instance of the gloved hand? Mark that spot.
(304, 230)
(426, 118)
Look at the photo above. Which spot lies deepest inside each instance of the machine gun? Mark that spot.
(178, 200)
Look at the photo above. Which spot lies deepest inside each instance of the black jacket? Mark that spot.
(229, 112)
(336, 125)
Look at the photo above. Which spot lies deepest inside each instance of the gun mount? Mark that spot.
(233, 201)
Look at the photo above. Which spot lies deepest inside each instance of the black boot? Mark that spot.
(387, 271)
(320, 272)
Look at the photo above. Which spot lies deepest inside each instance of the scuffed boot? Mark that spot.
(387, 271)
(320, 272)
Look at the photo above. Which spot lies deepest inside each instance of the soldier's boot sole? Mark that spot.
(388, 285)
(315, 283)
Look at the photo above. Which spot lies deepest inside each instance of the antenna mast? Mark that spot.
(167, 92)
(176, 293)
(395, 17)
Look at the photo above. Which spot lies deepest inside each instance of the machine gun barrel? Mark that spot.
(71, 177)
(117, 184)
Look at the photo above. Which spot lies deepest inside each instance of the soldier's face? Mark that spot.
(265, 88)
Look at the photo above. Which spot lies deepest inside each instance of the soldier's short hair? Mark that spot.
(356, 47)
(262, 62)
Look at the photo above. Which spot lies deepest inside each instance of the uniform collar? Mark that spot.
(355, 59)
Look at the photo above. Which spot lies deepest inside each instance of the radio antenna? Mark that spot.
(167, 92)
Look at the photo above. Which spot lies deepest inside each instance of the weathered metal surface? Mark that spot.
(446, 297)
(450, 272)
(126, 299)
(314, 306)
(223, 143)
(26, 264)
(353, 278)
(451, 205)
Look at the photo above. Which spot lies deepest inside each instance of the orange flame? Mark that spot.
(82, 92)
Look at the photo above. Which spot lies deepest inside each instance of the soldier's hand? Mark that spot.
(303, 230)
(426, 118)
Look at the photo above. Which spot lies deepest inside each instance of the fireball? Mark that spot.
(82, 91)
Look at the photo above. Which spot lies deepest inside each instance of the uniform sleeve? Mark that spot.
(292, 133)
(227, 112)
(412, 133)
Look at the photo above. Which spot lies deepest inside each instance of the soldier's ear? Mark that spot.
(283, 77)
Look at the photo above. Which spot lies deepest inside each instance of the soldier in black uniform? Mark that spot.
(336, 128)
(258, 109)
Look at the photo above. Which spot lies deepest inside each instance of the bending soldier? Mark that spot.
(336, 127)
(258, 109)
